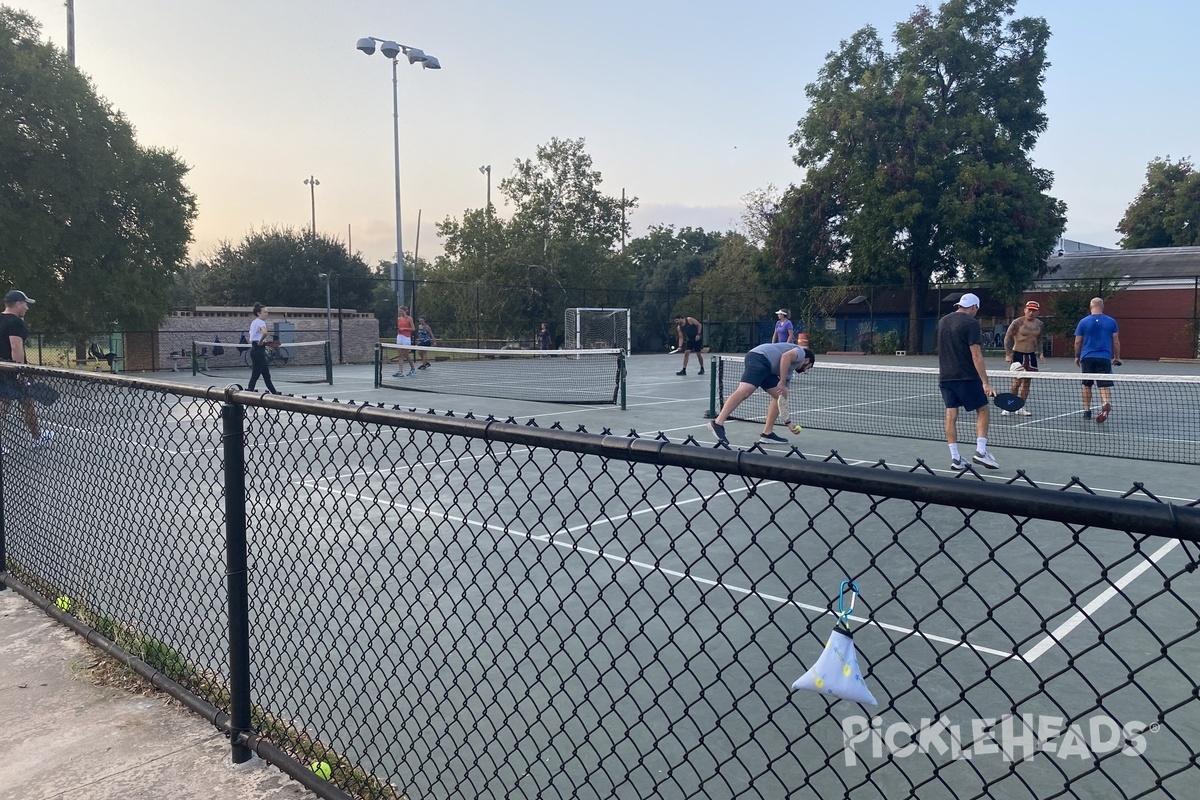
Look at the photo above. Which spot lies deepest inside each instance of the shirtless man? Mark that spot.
(1021, 344)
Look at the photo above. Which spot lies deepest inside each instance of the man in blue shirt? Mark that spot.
(1097, 349)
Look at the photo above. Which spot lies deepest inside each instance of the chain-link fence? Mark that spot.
(443, 606)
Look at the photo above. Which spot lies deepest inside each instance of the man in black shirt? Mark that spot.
(963, 378)
(12, 348)
(691, 340)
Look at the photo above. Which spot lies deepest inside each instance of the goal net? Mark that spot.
(596, 329)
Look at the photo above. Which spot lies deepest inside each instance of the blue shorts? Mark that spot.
(968, 394)
(1097, 366)
(758, 372)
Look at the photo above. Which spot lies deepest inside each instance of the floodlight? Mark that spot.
(367, 45)
(390, 49)
(431, 62)
(415, 55)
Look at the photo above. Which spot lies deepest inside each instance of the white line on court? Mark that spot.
(647, 567)
(1055, 636)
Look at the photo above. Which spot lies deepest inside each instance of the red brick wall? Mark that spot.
(1154, 323)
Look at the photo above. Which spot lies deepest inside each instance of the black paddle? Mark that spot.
(1007, 401)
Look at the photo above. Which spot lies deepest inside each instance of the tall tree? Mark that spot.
(557, 249)
(921, 156)
(1166, 212)
(282, 267)
(91, 223)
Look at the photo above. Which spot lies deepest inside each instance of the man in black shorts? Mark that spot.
(768, 367)
(12, 348)
(1097, 351)
(963, 378)
(690, 340)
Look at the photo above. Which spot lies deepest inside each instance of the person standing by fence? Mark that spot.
(691, 337)
(13, 333)
(258, 349)
(783, 327)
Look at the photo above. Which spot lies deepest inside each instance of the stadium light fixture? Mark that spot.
(392, 50)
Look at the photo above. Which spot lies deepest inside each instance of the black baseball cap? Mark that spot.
(17, 296)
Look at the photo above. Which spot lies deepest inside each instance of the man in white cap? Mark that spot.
(963, 379)
(12, 348)
(1021, 344)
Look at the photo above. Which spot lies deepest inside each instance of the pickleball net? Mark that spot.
(293, 362)
(1154, 417)
(557, 376)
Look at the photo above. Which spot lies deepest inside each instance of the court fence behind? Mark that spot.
(439, 605)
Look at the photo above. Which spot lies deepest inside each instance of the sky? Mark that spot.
(685, 104)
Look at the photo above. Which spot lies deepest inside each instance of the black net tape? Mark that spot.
(446, 606)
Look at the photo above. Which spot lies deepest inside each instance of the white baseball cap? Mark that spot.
(968, 300)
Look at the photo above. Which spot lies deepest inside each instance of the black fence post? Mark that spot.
(233, 438)
(3, 556)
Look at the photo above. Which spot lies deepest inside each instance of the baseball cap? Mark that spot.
(17, 296)
(1034, 304)
(784, 312)
(967, 301)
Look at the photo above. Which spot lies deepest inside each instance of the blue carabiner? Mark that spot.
(843, 612)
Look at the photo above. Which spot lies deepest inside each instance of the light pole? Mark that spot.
(392, 50)
(312, 184)
(328, 310)
(486, 169)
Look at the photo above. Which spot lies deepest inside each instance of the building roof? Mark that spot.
(1149, 262)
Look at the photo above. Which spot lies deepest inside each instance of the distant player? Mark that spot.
(784, 330)
(404, 334)
(1097, 350)
(768, 367)
(1021, 344)
(691, 337)
(425, 338)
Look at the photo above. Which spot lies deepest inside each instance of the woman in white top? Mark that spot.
(258, 349)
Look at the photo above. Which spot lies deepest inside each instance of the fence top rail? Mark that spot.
(1179, 521)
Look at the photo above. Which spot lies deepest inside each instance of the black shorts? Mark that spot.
(1097, 366)
(758, 372)
(1026, 360)
(968, 394)
(694, 346)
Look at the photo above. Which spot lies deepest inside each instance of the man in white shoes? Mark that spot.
(12, 348)
(1021, 344)
(963, 379)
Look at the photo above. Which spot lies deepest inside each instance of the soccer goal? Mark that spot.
(596, 329)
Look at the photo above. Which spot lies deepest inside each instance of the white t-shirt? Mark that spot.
(258, 331)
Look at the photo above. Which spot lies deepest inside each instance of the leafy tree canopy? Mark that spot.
(91, 224)
(918, 160)
(282, 267)
(1166, 212)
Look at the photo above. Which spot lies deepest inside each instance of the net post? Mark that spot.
(712, 390)
(328, 363)
(621, 377)
(195, 361)
(378, 365)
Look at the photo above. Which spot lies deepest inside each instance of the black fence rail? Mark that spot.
(443, 606)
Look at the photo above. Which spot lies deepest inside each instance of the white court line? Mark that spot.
(1055, 636)
(647, 567)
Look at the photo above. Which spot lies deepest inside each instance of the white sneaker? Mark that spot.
(1023, 413)
(958, 465)
(1004, 413)
(986, 460)
(46, 438)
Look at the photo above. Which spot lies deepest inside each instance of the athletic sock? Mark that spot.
(981, 444)
(954, 451)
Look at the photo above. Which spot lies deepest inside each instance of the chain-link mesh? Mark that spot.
(451, 607)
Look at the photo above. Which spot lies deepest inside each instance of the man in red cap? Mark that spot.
(1021, 344)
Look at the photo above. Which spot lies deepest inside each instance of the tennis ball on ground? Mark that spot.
(64, 603)
(321, 769)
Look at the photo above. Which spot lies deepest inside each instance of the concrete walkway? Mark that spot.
(65, 738)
